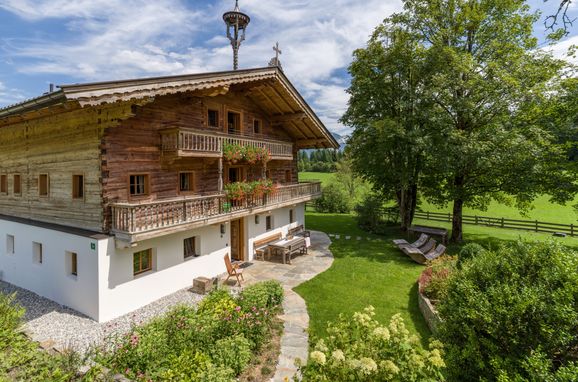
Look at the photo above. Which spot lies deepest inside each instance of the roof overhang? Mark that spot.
(268, 87)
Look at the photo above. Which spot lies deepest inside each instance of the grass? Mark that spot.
(363, 273)
(324, 177)
(543, 209)
(376, 273)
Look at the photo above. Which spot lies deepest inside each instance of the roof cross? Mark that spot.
(277, 51)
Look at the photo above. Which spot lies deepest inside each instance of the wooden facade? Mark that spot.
(115, 150)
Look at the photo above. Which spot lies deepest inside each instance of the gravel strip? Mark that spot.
(47, 320)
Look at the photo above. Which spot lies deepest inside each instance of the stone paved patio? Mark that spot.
(294, 341)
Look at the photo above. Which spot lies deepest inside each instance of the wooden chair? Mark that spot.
(416, 244)
(233, 270)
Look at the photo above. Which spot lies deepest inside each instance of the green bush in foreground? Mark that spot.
(212, 343)
(512, 315)
(359, 348)
(22, 359)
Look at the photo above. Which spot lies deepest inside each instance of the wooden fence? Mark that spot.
(528, 225)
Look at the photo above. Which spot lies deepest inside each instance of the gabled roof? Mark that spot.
(268, 87)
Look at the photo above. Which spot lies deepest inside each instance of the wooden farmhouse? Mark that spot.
(115, 194)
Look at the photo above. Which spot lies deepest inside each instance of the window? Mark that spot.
(78, 186)
(235, 174)
(72, 263)
(3, 184)
(142, 261)
(138, 185)
(212, 118)
(256, 126)
(287, 176)
(291, 216)
(37, 252)
(233, 122)
(186, 182)
(269, 223)
(190, 248)
(43, 185)
(17, 184)
(9, 244)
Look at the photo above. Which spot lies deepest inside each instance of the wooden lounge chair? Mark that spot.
(418, 243)
(418, 254)
(233, 270)
(422, 257)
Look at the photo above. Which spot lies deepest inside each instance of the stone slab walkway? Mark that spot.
(295, 340)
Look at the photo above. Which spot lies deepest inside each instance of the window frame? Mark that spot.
(3, 184)
(141, 270)
(146, 185)
(214, 110)
(268, 223)
(260, 126)
(72, 263)
(226, 121)
(10, 249)
(75, 187)
(194, 248)
(47, 186)
(192, 182)
(37, 252)
(291, 215)
(14, 183)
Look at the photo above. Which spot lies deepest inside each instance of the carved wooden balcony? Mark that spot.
(132, 222)
(194, 143)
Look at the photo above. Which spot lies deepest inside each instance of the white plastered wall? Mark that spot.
(51, 278)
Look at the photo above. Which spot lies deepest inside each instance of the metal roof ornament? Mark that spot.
(237, 23)
(275, 60)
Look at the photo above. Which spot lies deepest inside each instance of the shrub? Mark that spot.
(439, 272)
(267, 294)
(358, 348)
(469, 251)
(507, 308)
(333, 199)
(372, 217)
(233, 353)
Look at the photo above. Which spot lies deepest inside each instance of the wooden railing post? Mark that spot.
(536, 225)
(571, 229)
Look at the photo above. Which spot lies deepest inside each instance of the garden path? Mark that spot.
(294, 341)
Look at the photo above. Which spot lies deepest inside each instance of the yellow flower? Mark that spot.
(416, 361)
(338, 355)
(318, 357)
(381, 333)
(389, 367)
(436, 360)
(367, 365)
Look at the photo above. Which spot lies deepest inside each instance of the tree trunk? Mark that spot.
(457, 221)
(406, 200)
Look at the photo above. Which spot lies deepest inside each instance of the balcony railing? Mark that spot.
(131, 220)
(186, 142)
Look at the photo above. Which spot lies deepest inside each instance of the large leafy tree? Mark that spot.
(389, 143)
(488, 74)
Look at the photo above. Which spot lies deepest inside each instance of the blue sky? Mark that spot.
(72, 41)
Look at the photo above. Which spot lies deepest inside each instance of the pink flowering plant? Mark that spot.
(214, 341)
(233, 152)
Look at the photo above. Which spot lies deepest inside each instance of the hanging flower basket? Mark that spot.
(251, 154)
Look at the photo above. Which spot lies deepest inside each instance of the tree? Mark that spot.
(561, 14)
(487, 73)
(389, 141)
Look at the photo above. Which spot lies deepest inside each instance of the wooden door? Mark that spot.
(237, 240)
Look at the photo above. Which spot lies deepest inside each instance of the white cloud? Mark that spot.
(10, 96)
(560, 49)
(114, 39)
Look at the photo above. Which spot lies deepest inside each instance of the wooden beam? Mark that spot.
(288, 117)
(305, 143)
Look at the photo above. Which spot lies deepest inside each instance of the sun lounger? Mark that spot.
(422, 257)
(416, 244)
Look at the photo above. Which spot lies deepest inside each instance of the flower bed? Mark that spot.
(214, 342)
(250, 154)
(432, 287)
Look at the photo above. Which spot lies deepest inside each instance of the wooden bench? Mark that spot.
(432, 231)
(260, 246)
(298, 231)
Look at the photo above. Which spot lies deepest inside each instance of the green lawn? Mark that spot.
(324, 177)
(376, 273)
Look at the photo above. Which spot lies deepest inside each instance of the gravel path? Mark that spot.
(59, 326)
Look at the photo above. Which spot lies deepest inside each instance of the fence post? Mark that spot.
(427, 215)
(476, 219)
(536, 225)
(502, 222)
(449, 217)
(571, 229)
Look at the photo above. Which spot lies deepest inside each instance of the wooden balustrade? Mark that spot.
(132, 219)
(201, 143)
